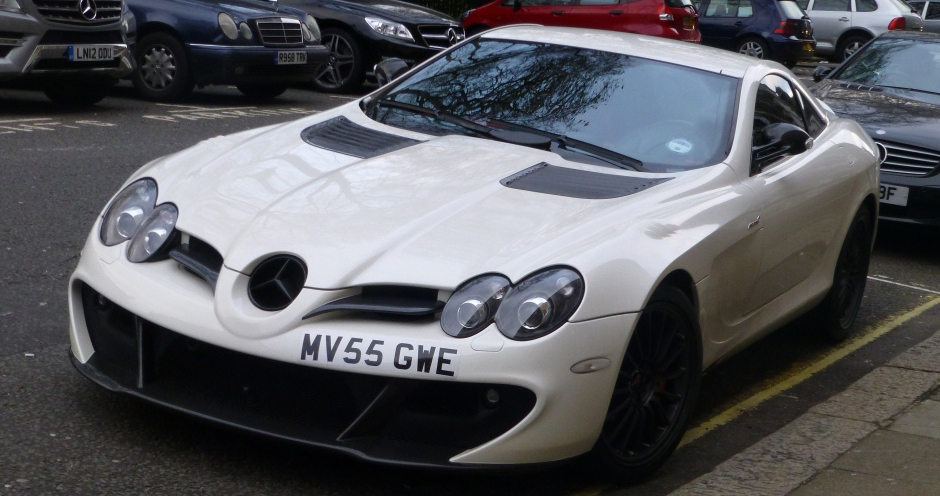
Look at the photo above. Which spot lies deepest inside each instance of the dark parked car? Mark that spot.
(360, 33)
(892, 88)
(260, 47)
(767, 29)
(674, 19)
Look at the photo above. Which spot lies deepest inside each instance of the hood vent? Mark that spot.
(861, 87)
(341, 135)
(575, 183)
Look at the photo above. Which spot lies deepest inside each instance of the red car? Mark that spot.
(675, 19)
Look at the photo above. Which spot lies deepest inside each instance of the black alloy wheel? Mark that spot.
(837, 312)
(344, 69)
(163, 72)
(655, 390)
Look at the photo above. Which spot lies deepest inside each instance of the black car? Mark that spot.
(260, 47)
(360, 33)
(891, 86)
(767, 29)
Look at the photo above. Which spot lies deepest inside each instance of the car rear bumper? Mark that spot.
(220, 64)
(789, 49)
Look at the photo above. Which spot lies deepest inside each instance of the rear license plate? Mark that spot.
(808, 47)
(292, 57)
(894, 195)
(90, 53)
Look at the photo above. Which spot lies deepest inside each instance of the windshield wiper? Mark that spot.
(909, 89)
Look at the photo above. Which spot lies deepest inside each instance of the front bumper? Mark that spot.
(382, 47)
(923, 201)
(159, 333)
(223, 64)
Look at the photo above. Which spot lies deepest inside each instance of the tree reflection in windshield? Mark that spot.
(899, 63)
(660, 113)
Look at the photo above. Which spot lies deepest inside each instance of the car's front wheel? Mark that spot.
(345, 68)
(656, 387)
(837, 312)
(163, 72)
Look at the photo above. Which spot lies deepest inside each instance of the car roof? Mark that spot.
(671, 51)
(912, 35)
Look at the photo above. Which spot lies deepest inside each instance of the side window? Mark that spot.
(865, 6)
(814, 121)
(722, 8)
(776, 102)
(804, 4)
(933, 10)
(918, 6)
(832, 5)
(745, 9)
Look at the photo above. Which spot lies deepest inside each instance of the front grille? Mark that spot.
(441, 36)
(280, 32)
(909, 160)
(80, 11)
(57, 37)
(382, 418)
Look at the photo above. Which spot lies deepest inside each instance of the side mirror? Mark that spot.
(389, 69)
(781, 139)
(821, 72)
(516, 5)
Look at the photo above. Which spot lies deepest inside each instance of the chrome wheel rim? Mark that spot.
(852, 48)
(158, 67)
(339, 68)
(752, 49)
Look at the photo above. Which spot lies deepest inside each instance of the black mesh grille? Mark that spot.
(280, 32)
(275, 283)
(56, 37)
(344, 136)
(80, 11)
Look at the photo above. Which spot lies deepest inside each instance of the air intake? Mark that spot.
(276, 282)
(341, 135)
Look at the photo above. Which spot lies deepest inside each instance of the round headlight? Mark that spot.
(245, 30)
(128, 210)
(227, 24)
(472, 307)
(311, 24)
(540, 303)
(153, 233)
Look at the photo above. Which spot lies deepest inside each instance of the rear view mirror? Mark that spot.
(389, 69)
(781, 139)
(821, 72)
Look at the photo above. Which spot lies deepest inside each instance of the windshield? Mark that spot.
(896, 63)
(669, 117)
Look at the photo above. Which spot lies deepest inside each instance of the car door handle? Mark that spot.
(558, 12)
(739, 23)
(845, 19)
(616, 12)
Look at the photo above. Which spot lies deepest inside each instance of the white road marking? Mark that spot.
(26, 120)
(887, 281)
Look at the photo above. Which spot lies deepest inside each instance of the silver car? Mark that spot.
(930, 11)
(842, 26)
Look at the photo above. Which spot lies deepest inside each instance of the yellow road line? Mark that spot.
(850, 347)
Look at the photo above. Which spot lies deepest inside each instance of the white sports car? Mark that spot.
(524, 250)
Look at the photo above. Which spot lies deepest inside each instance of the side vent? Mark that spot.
(575, 183)
(341, 135)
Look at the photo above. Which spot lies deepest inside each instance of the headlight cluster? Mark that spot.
(231, 29)
(389, 28)
(534, 307)
(134, 215)
(310, 29)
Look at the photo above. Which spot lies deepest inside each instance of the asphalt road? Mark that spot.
(59, 433)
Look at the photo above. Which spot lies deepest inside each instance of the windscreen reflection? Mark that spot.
(668, 116)
(896, 63)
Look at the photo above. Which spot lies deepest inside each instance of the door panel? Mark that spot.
(830, 19)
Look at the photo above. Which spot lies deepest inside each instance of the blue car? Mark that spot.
(258, 46)
(767, 29)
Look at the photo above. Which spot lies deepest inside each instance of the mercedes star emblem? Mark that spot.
(88, 9)
(452, 36)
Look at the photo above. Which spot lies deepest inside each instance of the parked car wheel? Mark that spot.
(344, 69)
(851, 45)
(163, 72)
(837, 312)
(655, 389)
(753, 47)
(262, 91)
(77, 95)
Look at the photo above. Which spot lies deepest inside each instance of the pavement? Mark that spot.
(881, 436)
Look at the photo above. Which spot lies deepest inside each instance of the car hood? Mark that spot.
(432, 214)
(885, 113)
(396, 11)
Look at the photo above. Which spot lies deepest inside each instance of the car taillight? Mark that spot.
(786, 27)
(897, 23)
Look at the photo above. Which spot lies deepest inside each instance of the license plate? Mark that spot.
(808, 47)
(380, 354)
(894, 195)
(293, 57)
(90, 53)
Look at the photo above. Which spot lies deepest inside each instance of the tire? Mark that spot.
(262, 91)
(77, 95)
(836, 313)
(850, 45)
(754, 47)
(656, 388)
(345, 69)
(163, 73)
